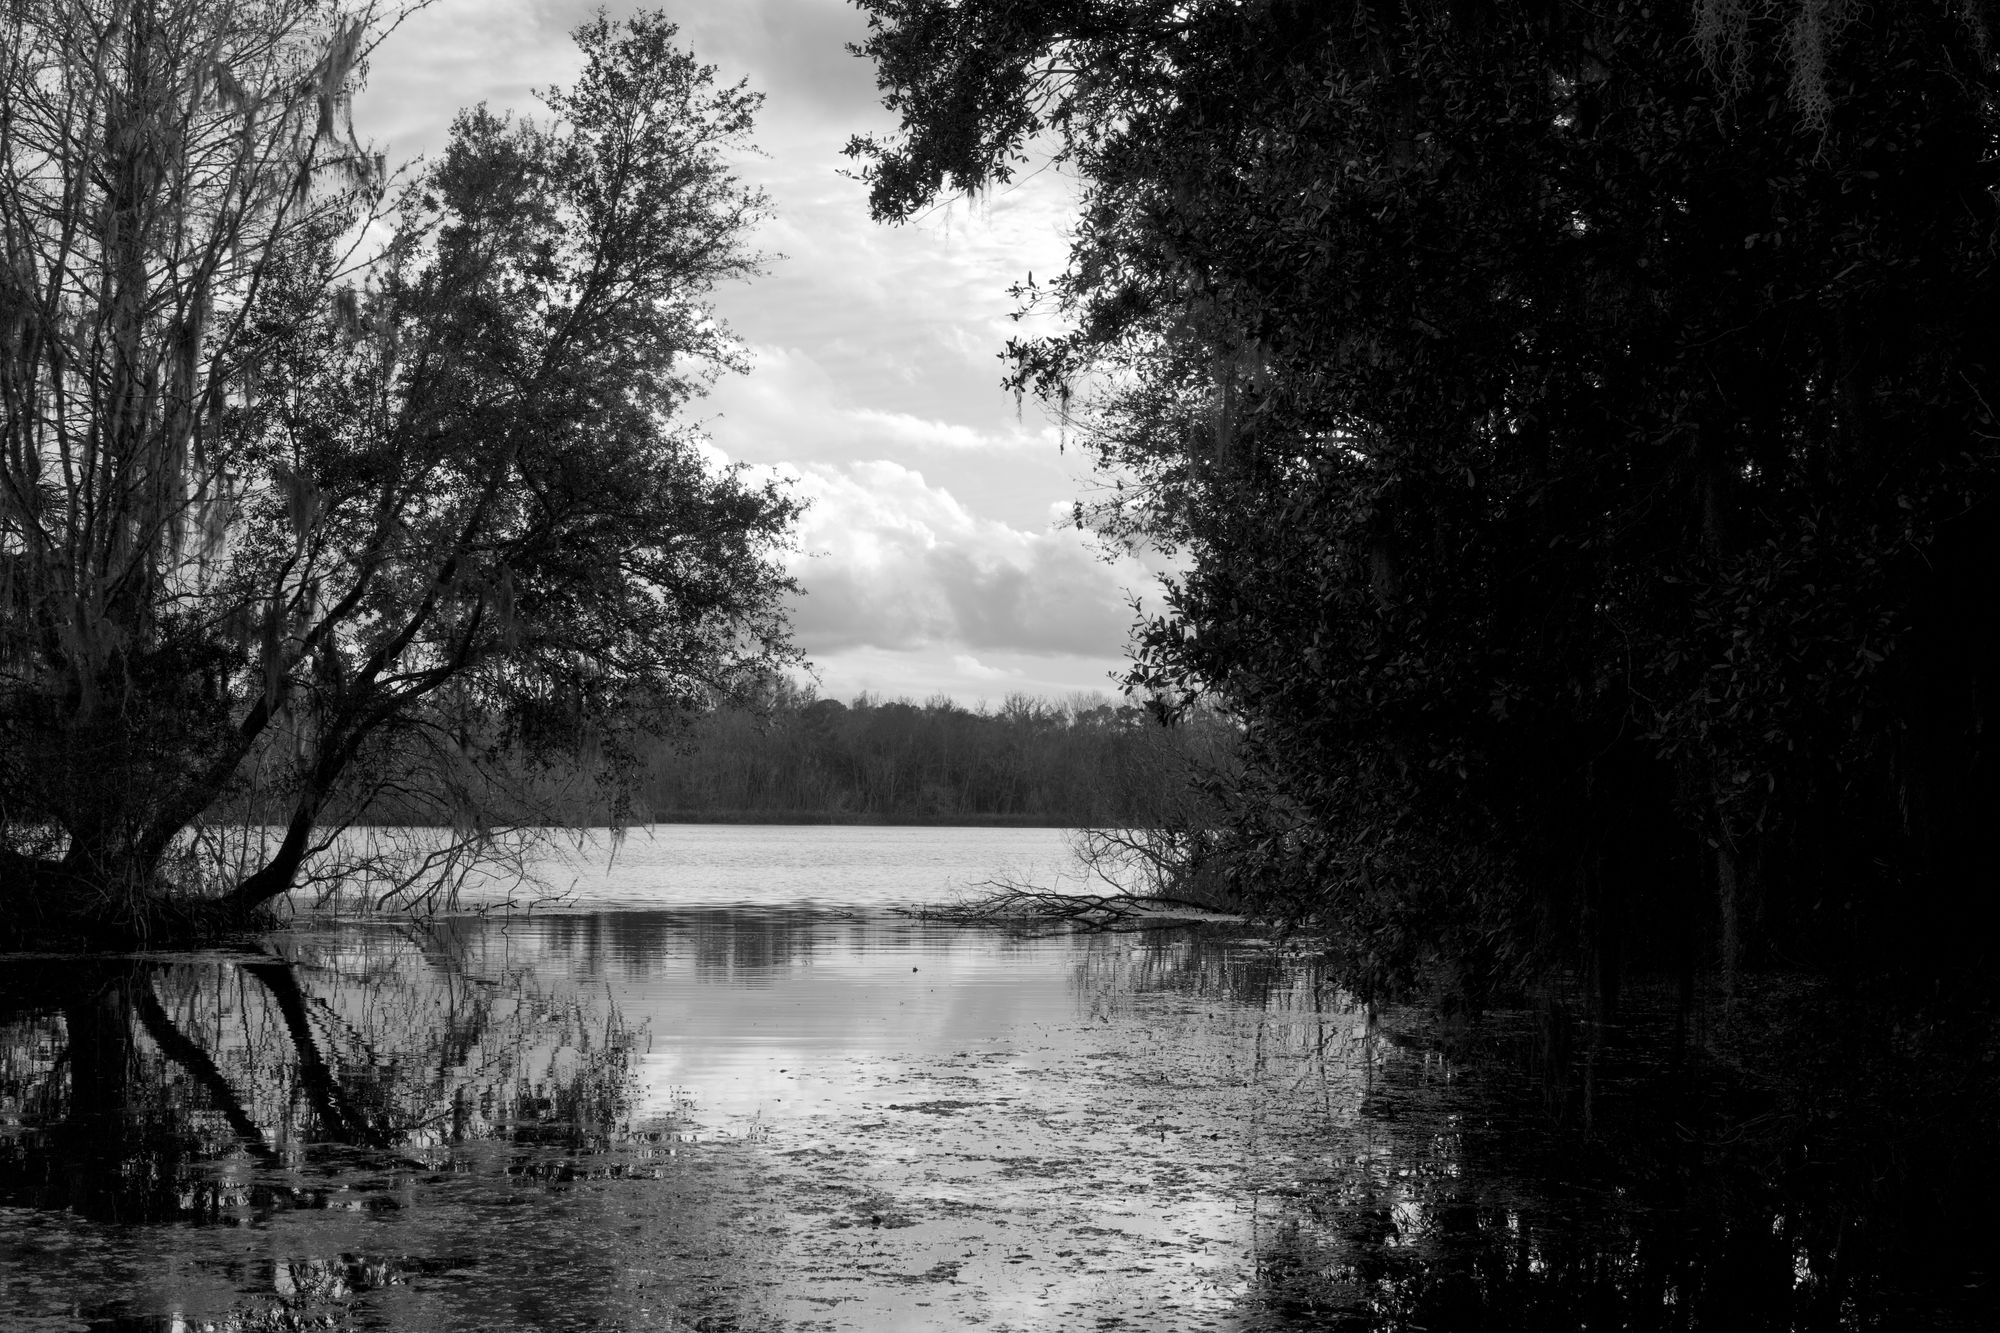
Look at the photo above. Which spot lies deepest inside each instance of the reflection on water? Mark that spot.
(798, 1119)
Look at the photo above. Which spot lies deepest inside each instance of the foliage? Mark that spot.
(312, 485)
(1086, 763)
(1579, 425)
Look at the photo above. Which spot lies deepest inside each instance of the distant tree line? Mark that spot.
(1084, 762)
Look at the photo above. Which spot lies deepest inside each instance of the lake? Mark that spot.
(719, 1085)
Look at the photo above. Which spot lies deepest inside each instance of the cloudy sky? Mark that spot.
(933, 558)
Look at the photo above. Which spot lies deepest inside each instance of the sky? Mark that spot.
(935, 557)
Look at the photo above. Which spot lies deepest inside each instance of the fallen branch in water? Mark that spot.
(1013, 904)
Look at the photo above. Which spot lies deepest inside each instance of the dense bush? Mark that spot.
(1579, 421)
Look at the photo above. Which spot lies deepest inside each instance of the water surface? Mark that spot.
(782, 865)
(725, 1088)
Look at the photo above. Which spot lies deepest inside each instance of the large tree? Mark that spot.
(1579, 424)
(313, 487)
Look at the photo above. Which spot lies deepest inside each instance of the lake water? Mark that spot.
(785, 865)
(720, 1086)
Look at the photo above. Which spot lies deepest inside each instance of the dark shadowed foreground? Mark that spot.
(767, 1118)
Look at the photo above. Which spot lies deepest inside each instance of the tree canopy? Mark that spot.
(318, 486)
(1579, 425)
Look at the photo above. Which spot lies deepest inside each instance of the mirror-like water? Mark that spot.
(770, 1116)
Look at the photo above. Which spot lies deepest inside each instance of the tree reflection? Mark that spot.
(737, 945)
(1216, 962)
(1685, 1199)
(1539, 1171)
(339, 1076)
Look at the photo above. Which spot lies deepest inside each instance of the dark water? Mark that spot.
(761, 1117)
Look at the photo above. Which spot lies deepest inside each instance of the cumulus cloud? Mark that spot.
(459, 53)
(791, 407)
(924, 673)
(890, 561)
(973, 669)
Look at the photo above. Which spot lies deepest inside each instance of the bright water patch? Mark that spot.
(769, 865)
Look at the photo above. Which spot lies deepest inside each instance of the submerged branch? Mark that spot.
(1005, 903)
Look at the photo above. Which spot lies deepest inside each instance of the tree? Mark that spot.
(1579, 424)
(787, 755)
(316, 490)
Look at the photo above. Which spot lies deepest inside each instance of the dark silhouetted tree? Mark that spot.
(313, 489)
(1579, 422)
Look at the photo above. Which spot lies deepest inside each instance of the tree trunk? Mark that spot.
(275, 877)
(1729, 902)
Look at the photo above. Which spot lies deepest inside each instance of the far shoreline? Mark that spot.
(799, 817)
